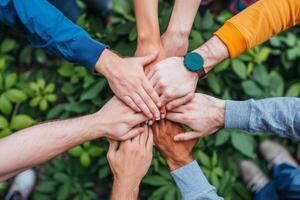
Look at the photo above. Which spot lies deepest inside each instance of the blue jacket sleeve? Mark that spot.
(47, 28)
(279, 115)
(192, 183)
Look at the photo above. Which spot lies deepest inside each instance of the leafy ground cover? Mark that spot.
(36, 86)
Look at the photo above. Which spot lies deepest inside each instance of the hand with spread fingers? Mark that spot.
(119, 121)
(129, 163)
(204, 114)
(128, 81)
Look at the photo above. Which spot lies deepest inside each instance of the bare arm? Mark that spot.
(129, 164)
(175, 39)
(37, 144)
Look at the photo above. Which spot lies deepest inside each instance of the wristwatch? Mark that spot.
(194, 62)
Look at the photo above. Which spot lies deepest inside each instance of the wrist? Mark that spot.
(148, 40)
(107, 60)
(219, 114)
(213, 52)
(126, 185)
(97, 127)
(178, 162)
(177, 34)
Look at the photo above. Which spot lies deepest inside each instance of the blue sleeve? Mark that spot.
(280, 116)
(47, 28)
(192, 183)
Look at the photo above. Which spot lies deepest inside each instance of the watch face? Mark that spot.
(193, 61)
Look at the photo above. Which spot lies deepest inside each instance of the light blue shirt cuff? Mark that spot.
(192, 183)
(237, 114)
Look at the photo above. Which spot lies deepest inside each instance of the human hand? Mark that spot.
(130, 163)
(172, 80)
(177, 154)
(204, 114)
(118, 120)
(129, 82)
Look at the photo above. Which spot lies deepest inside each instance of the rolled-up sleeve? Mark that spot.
(193, 184)
(47, 28)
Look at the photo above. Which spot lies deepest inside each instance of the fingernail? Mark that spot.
(163, 116)
(158, 104)
(158, 118)
(146, 122)
(150, 123)
(150, 116)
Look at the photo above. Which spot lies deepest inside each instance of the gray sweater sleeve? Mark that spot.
(280, 116)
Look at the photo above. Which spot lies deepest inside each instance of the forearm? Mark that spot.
(146, 13)
(193, 184)
(122, 191)
(275, 115)
(258, 23)
(35, 145)
(213, 51)
(182, 18)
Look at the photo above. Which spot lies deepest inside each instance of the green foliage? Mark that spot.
(44, 87)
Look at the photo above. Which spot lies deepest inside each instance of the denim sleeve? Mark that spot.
(192, 183)
(47, 28)
(280, 116)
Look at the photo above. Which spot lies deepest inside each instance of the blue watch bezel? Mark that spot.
(193, 61)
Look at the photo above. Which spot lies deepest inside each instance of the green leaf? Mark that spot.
(41, 83)
(10, 80)
(61, 177)
(202, 158)
(43, 105)
(55, 111)
(276, 84)
(207, 21)
(76, 151)
(85, 160)
(222, 137)
(25, 55)
(63, 192)
(50, 88)
(66, 70)
(3, 122)
(16, 96)
(35, 101)
(93, 91)
(222, 66)
(294, 90)
(34, 87)
(260, 75)
(244, 143)
(8, 45)
(239, 68)
(40, 56)
(196, 40)
(213, 83)
(95, 151)
(51, 97)
(21, 121)
(155, 180)
(251, 88)
(5, 105)
(263, 55)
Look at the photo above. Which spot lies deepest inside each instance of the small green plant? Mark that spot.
(42, 94)
(85, 152)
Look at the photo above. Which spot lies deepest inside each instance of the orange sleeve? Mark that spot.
(258, 23)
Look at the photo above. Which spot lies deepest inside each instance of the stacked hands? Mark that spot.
(155, 96)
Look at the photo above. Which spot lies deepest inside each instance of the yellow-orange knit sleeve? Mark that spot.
(258, 23)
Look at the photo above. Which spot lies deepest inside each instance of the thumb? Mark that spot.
(148, 59)
(186, 136)
(113, 145)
